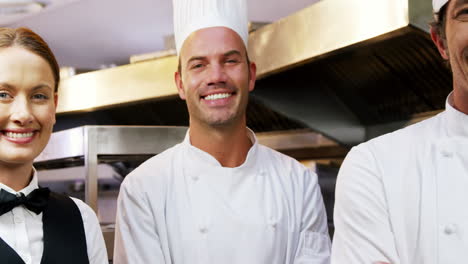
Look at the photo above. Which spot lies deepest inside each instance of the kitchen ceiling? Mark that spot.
(90, 34)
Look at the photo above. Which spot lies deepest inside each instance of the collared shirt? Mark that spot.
(22, 230)
(400, 198)
(182, 206)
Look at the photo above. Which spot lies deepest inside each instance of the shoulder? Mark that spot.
(87, 214)
(287, 165)
(153, 171)
(415, 134)
(96, 246)
(278, 157)
(151, 180)
(400, 144)
(66, 202)
(386, 160)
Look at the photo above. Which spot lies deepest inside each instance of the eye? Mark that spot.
(196, 66)
(5, 96)
(232, 61)
(40, 97)
(462, 14)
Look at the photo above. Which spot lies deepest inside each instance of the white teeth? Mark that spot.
(19, 135)
(217, 96)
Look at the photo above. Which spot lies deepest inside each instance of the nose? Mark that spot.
(216, 75)
(21, 112)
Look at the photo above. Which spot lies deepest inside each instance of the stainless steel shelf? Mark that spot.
(90, 145)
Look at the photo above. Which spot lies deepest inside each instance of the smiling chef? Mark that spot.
(401, 197)
(219, 196)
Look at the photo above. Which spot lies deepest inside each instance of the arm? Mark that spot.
(363, 233)
(96, 247)
(136, 237)
(314, 241)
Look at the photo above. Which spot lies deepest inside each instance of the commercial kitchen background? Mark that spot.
(332, 74)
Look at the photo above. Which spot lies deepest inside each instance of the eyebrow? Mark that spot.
(40, 86)
(461, 2)
(6, 86)
(232, 52)
(195, 58)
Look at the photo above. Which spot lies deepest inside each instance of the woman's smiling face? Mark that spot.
(27, 105)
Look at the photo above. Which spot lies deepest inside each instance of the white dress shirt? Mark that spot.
(182, 206)
(22, 230)
(402, 198)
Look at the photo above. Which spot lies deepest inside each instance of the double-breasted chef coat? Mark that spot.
(402, 198)
(182, 206)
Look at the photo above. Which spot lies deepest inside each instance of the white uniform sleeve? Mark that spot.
(136, 238)
(363, 234)
(314, 240)
(97, 252)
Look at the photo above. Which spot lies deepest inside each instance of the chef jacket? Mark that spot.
(22, 230)
(402, 197)
(182, 206)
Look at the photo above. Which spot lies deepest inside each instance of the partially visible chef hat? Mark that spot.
(192, 15)
(438, 4)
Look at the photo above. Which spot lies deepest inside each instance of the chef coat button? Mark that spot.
(272, 222)
(446, 153)
(449, 229)
(203, 230)
(195, 178)
(18, 219)
(262, 172)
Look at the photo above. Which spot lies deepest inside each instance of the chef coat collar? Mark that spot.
(200, 156)
(33, 184)
(457, 124)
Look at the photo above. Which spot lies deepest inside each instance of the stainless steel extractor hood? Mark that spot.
(348, 69)
(352, 69)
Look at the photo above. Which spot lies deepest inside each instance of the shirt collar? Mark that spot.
(198, 155)
(457, 124)
(33, 184)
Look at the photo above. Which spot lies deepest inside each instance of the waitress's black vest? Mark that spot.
(64, 235)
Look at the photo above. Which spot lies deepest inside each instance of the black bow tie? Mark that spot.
(36, 201)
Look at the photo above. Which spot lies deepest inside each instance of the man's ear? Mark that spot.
(253, 75)
(440, 43)
(179, 84)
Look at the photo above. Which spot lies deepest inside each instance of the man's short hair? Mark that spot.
(440, 21)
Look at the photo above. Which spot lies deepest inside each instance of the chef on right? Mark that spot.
(402, 198)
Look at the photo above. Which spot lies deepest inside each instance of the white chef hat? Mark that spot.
(438, 4)
(192, 15)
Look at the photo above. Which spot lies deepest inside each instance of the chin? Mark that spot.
(18, 158)
(221, 123)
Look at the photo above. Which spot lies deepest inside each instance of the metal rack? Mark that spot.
(91, 145)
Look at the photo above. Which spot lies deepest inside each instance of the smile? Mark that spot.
(19, 135)
(217, 96)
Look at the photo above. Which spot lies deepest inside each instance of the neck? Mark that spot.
(227, 144)
(460, 99)
(16, 176)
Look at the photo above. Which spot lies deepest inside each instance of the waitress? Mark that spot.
(36, 225)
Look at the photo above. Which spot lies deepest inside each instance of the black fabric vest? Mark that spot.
(64, 235)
